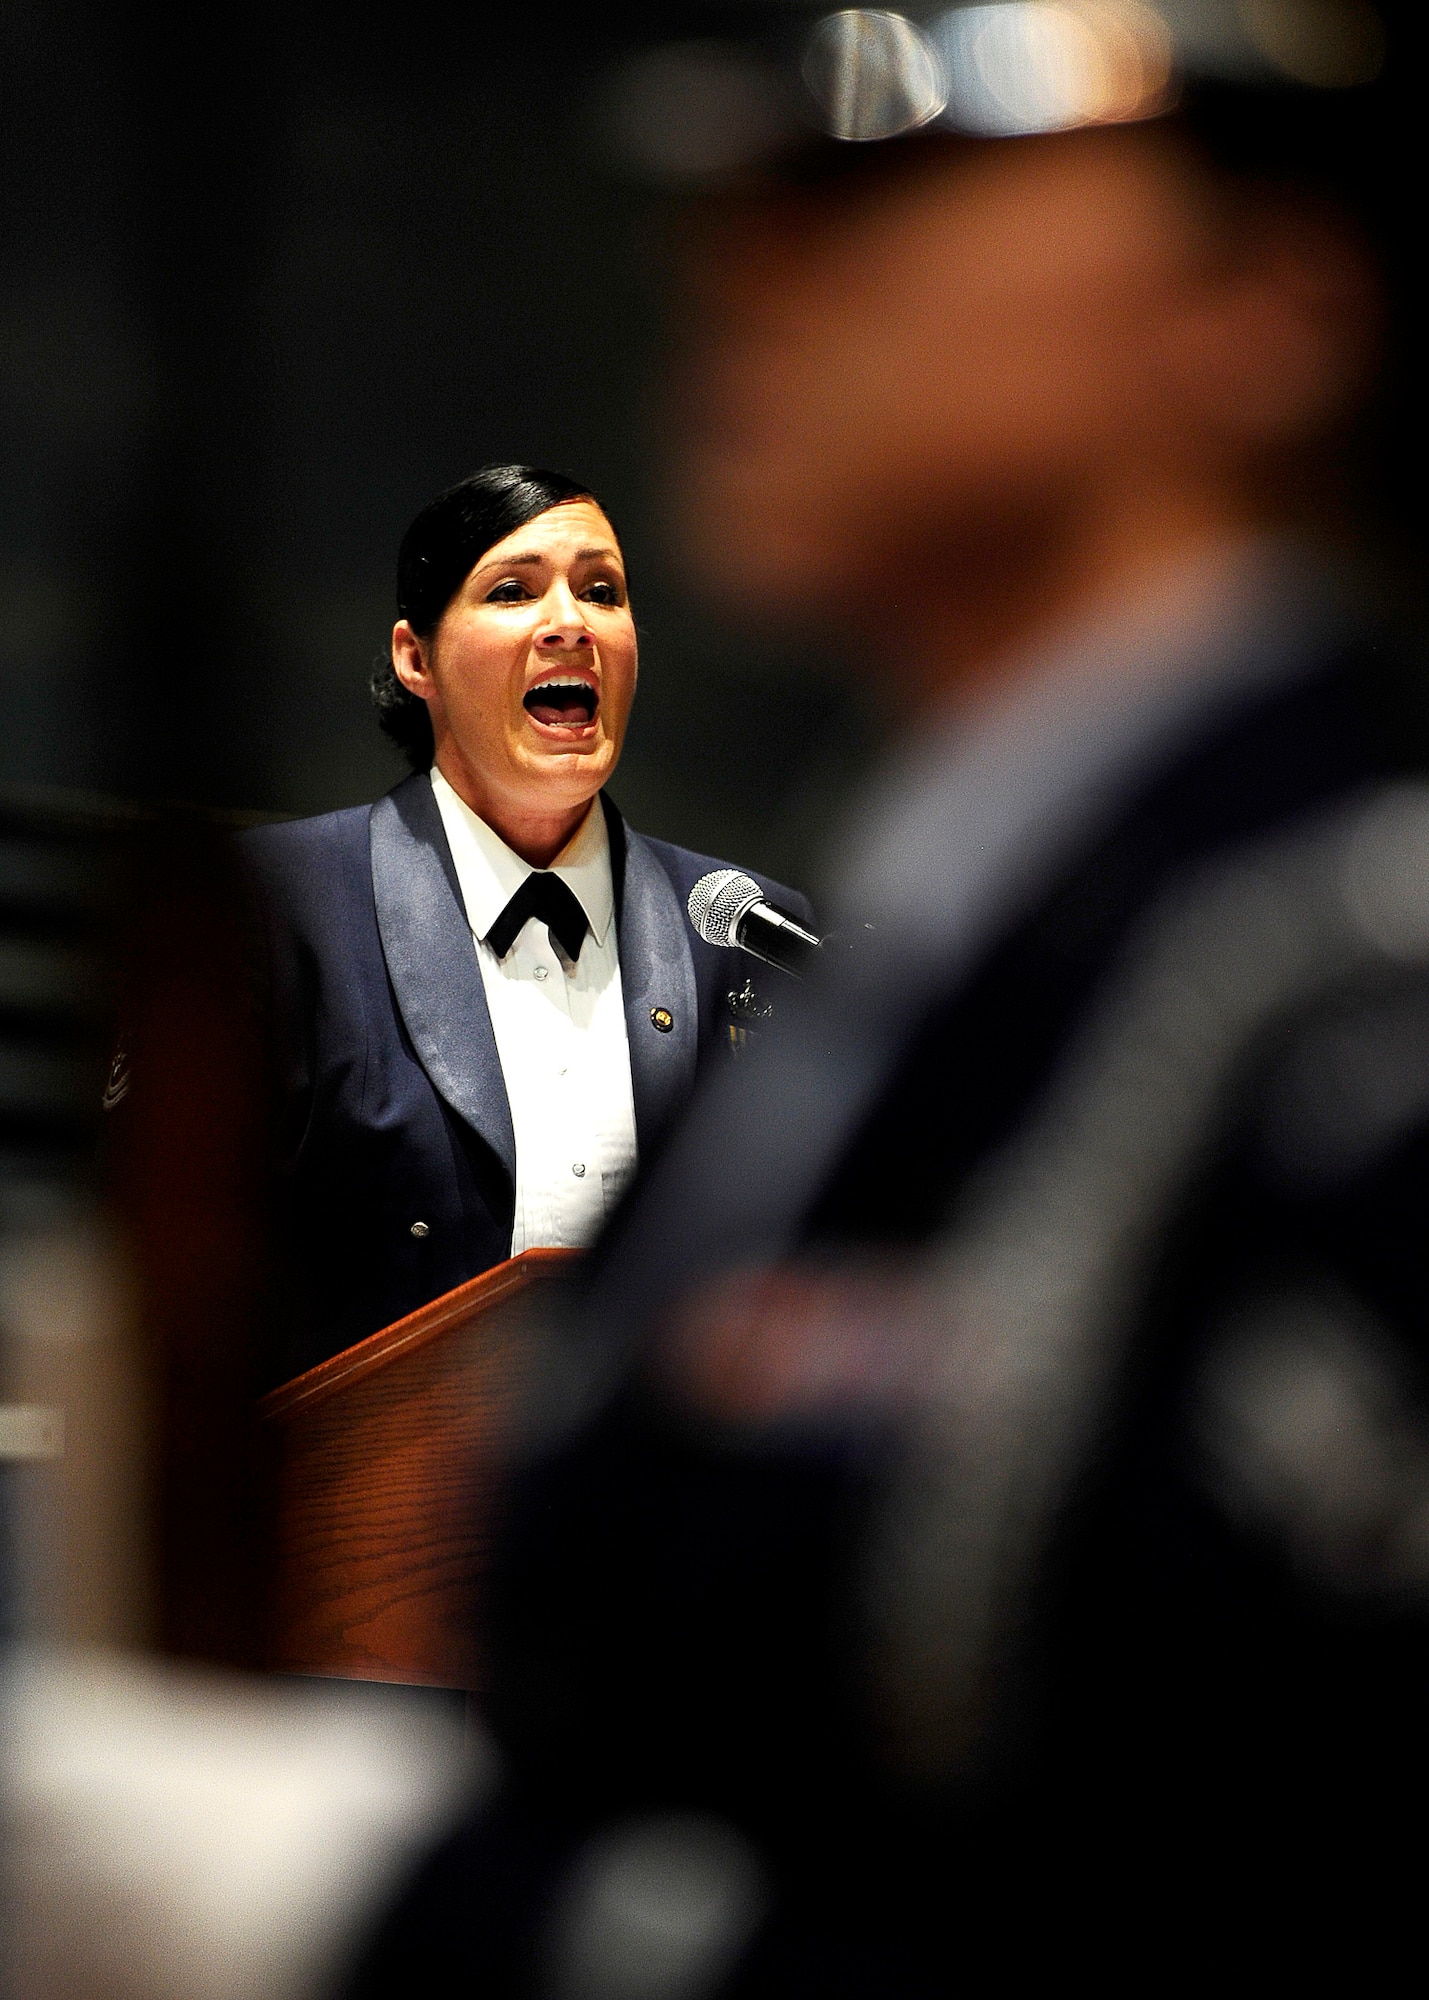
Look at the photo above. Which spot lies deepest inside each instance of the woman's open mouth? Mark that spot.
(563, 701)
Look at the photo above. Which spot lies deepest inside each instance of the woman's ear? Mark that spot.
(409, 661)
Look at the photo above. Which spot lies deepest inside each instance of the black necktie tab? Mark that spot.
(551, 902)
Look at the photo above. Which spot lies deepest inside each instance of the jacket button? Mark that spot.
(662, 1018)
(419, 1230)
(578, 1169)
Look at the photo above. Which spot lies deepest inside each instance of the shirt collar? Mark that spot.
(489, 873)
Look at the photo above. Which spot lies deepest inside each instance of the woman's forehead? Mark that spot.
(574, 530)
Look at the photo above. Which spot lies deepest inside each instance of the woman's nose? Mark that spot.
(564, 624)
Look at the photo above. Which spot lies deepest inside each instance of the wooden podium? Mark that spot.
(387, 1455)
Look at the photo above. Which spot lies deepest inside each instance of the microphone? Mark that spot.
(728, 908)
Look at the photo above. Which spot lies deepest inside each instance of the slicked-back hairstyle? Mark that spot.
(438, 553)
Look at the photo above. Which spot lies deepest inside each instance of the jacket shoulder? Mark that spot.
(307, 871)
(298, 846)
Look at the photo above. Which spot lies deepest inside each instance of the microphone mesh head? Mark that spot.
(718, 901)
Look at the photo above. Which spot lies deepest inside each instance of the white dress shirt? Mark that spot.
(560, 1030)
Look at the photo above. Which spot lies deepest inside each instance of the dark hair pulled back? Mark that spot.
(438, 553)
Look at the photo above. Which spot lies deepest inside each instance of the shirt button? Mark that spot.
(578, 1169)
(419, 1230)
(539, 973)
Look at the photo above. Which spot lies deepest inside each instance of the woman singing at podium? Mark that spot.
(487, 1000)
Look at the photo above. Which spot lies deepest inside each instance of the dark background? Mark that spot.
(270, 279)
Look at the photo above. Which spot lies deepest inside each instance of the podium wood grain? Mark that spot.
(387, 1455)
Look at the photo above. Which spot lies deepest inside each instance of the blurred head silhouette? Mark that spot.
(947, 390)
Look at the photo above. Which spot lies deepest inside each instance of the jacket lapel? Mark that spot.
(432, 964)
(657, 974)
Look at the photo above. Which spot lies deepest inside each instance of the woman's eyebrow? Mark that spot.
(512, 562)
(534, 559)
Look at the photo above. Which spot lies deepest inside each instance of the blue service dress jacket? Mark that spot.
(390, 1108)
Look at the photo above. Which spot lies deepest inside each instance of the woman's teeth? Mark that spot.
(562, 702)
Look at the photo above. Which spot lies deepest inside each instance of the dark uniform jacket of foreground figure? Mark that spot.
(391, 1107)
(1063, 1606)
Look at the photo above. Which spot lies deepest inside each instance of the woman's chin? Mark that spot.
(573, 761)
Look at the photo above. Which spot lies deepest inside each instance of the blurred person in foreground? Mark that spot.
(486, 997)
(978, 1524)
